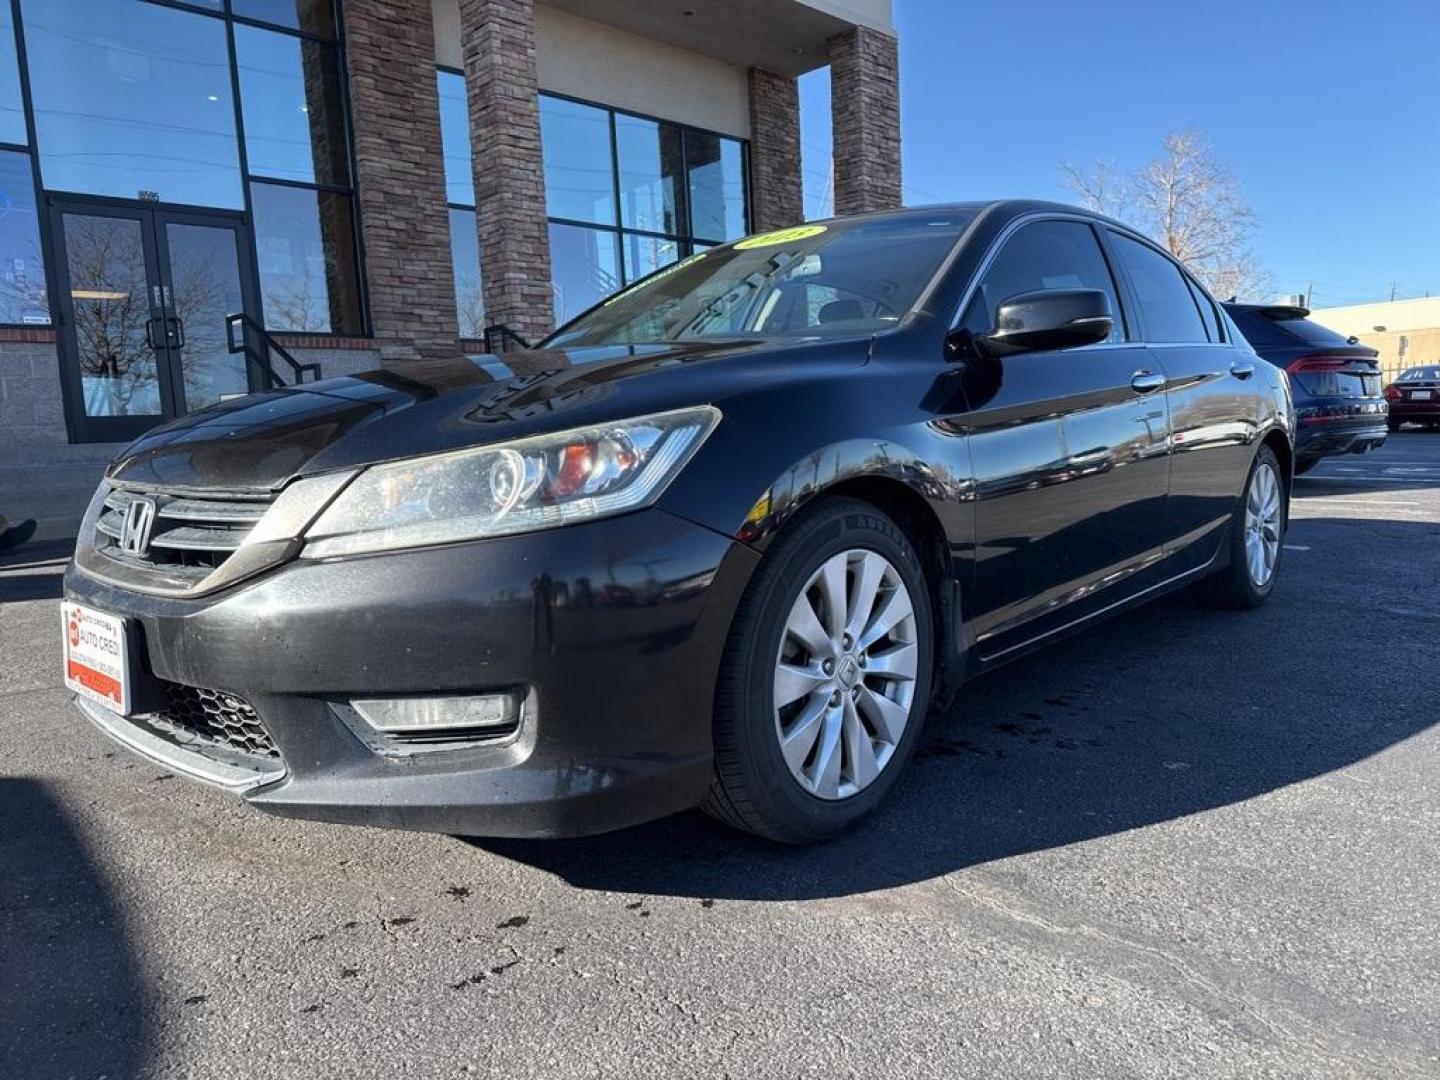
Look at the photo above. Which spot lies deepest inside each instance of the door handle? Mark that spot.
(1242, 370)
(1147, 382)
(150, 338)
(175, 332)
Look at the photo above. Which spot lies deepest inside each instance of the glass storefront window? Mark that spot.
(22, 270)
(310, 16)
(305, 252)
(717, 186)
(579, 178)
(651, 161)
(465, 254)
(585, 268)
(680, 190)
(291, 101)
(455, 138)
(133, 100)
(12, 108)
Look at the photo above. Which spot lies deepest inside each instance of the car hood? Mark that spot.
(262, 441)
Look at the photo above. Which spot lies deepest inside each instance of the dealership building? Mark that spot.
(198, 195)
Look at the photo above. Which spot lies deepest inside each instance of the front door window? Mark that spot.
(146, 294)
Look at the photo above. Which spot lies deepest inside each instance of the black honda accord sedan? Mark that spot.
(721, 541)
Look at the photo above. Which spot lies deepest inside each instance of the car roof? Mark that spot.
(1004, 207)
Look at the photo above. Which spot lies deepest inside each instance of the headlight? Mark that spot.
(534, 483)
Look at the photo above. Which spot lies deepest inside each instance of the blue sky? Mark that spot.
(1327, 112)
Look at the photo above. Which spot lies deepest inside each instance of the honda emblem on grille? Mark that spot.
(136, 528)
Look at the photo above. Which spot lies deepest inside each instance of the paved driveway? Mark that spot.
(1186, 844)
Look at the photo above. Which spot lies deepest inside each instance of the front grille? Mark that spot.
(216, 717)
(191, 536)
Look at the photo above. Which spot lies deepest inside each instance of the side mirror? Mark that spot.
(1047, 320)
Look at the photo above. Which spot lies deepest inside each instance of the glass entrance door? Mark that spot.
(144, 296)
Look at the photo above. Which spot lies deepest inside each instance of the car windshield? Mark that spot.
(1415, 374)
(837, 278)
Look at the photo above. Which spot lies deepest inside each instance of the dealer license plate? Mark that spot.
(96, 662)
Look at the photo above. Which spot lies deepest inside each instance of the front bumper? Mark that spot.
(612, 631)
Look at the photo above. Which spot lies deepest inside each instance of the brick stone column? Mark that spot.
(498, 41)
(865, 110)
(777, 195)
(390, 47)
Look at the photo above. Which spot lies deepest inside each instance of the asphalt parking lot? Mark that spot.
(1188, 843)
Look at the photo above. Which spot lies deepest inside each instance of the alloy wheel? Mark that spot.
(845, 674)
(1262, 525)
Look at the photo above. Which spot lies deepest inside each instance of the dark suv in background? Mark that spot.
(1335, 382)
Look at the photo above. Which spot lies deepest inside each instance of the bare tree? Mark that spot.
(1186, 201)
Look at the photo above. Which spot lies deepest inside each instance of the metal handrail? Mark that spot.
(251, 330)
(506, 335)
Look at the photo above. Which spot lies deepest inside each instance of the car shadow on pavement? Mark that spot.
(71, 1001)
(1168, 711)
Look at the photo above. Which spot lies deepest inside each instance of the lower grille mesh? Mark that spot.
(218, 717)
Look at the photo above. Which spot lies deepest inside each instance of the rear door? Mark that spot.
(1068, 450)
(1214, 413)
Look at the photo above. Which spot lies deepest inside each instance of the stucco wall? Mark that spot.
(589, 60)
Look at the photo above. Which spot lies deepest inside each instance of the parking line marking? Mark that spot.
(1297, 547)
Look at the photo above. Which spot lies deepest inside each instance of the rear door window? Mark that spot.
(1167, 307)
(1041, 256)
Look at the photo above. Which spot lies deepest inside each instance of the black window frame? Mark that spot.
(225, 13)
(685, 242)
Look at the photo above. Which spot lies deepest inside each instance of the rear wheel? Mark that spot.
(1257, 530)
(1393, 425)
(826, 677)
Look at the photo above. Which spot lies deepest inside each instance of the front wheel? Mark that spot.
(1257, 530)
(826, 677)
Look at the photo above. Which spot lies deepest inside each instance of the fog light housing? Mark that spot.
(455, 718)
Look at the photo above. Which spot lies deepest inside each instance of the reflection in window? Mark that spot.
(646, 254)
(22, 270)
(109, 294)
(585, 267)
(579, 183)
(717, 186)
(305, 251)
(290, 98)
(205, 288)
(651, 164)
(131, 98)
(465, 254)
(455, 138)
(12, 110)
(311, 16)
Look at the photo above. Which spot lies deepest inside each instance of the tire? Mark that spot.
(1305, 465)
(1393, 425)
(754, 787)
(1236, 586)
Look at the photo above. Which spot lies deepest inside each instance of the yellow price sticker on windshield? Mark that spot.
(781, 236)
